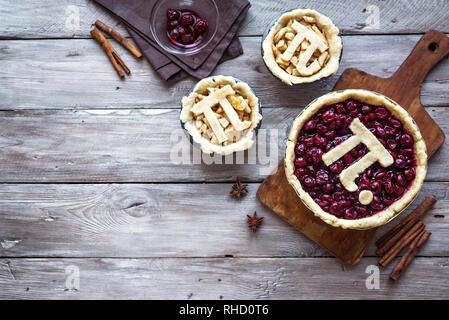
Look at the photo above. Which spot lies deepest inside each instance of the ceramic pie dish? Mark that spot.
(221, 114)
(356, 158)
(302, 46)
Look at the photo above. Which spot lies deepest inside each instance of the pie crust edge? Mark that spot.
(246, 141)
(326, 25)
(375, 99)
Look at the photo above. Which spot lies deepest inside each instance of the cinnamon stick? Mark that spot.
(110, 52)
(410, 254)
(118, 37)
(416, 214)
(404, 241)
(391, 242)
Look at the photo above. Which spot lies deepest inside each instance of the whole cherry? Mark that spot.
(310, 125)
(300, 149)
(309, 182)
(201, 26)
(172, 14)
(186, 20)
(406, 140)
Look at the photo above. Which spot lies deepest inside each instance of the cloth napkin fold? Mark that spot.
(225, 45)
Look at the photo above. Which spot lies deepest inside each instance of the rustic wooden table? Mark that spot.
(87, 184)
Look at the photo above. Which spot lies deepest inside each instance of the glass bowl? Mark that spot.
(206, 9)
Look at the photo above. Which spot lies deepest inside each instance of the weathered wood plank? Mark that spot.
(164, 220)
(76, 74)
(73, 18)
(220, 278)
(133, 146)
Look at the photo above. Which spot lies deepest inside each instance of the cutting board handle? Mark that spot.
(428, 52)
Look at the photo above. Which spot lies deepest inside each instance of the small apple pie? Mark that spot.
(221, 114)
(302, 46)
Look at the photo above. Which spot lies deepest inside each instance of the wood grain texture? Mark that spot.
(404, 86)
(407, 16)
(255, 278)
(79, 75)
(166, 220)
(132, 146)
(347, 245)
(159, 241)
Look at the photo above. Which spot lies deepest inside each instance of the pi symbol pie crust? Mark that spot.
(356, 158)
(220, 114)
(302, 46)
(376, 153)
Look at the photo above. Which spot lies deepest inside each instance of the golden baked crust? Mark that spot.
(326, 27)
(242, 89)
(372, 98)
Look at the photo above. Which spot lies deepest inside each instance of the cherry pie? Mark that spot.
(302, 46)
(355, 158)
(220, 114)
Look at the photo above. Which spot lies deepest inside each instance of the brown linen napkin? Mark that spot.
(135, 14)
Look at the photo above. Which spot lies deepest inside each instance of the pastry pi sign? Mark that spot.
(205, 107)
(377, 153)
(304, 33)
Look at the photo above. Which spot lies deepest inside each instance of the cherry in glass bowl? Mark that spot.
(188, 14)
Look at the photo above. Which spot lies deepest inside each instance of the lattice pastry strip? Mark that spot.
(300, 48)
(217, 124)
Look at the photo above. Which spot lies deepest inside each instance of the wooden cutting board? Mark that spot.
(404, 87)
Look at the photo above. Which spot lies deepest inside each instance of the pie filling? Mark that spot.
(385, 180)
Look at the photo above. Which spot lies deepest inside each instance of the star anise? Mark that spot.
(238, 189)
(254, 221)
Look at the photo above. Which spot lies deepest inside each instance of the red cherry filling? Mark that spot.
(328, 128)
(185, 27)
